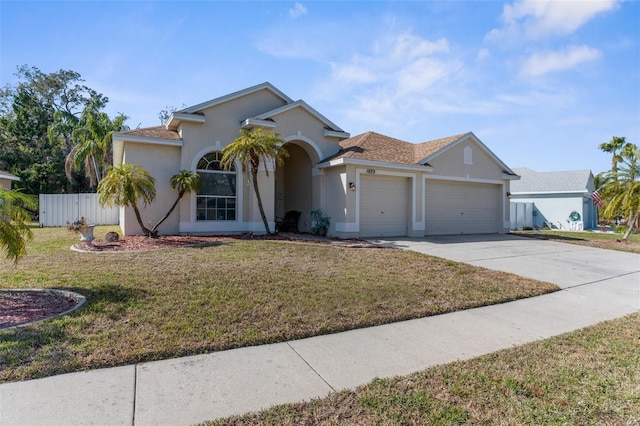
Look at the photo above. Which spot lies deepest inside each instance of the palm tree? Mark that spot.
(183, 182)
(249, 148)
(14, 220)
(622, 191)
(124, 185)
(612, 148)
(93, 142)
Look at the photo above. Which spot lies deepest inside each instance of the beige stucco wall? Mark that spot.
(451, 163)
(162, 163)
(5, 183)
(222, 125)
(335, 197)
(298, 124)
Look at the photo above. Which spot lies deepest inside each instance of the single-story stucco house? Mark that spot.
(559, 200)
(6, 180)
(370, 185)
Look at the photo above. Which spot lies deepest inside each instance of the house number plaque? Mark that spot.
(370, 171)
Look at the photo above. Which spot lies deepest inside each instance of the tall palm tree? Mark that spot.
(622, 192)
(612, 147)
(183, 182)
(93, 142)
(124, 185)
(14, 223)
(249, 148)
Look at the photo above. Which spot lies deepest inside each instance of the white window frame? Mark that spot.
(232, 171)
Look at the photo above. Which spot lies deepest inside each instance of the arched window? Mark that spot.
(216, 199)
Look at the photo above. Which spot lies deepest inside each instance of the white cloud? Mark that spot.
(409, 46)
(424, 73)
(404, 62)
(403, 80)
(542, 63)
(298, 10)
(354, 73)
(483, 55)
(536, 19)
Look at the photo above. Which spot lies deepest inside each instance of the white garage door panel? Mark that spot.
(384, 204)
(461, 208)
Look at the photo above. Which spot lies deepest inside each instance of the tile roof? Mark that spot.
(154, 132)
(425, 149)
(373, 146)
(565, 181)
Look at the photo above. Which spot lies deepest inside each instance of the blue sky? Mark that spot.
(541, 83)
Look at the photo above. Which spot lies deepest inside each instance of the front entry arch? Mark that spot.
(294, 187)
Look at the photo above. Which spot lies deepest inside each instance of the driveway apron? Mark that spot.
(562, 264)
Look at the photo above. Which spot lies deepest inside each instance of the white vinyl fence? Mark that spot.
(59, 209)
(522, 215)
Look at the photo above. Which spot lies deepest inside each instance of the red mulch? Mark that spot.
(22, 307)
(138, 242)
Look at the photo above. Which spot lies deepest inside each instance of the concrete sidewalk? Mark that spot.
(597, 285)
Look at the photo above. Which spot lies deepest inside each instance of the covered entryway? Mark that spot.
(384, 206)
(294, 184)
(461, 208)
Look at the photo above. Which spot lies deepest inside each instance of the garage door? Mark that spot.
(461, 208)
(384, 206)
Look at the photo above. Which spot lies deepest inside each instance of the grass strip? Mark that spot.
(587, 377)
(601, 240)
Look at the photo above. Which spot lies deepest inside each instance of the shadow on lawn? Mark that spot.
(108, 294)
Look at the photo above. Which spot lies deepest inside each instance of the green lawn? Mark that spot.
(166, 303)
(587, 377)
(607, 241)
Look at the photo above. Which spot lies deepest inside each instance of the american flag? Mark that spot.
(597, 201)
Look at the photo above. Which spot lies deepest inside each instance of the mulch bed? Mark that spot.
(22, 307)
(139, 242)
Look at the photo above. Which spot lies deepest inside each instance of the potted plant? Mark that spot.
(82, 226)
(319, 222)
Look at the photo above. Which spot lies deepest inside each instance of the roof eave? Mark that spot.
(509, 176)
(336, 134)
(577, 192)
(236, 95)
(369, 163)
(178, 118)
(300, 104)
(8, 176)
(122, 137)
(250, 123)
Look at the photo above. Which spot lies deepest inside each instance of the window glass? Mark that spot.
(216, 199)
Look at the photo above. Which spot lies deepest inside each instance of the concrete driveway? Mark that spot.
(566, 265)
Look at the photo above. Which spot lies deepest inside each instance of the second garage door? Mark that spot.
(384, 206)
(461, 208)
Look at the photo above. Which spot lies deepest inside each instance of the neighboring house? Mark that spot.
(554, 198)
(370, 185)
(6, 179)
